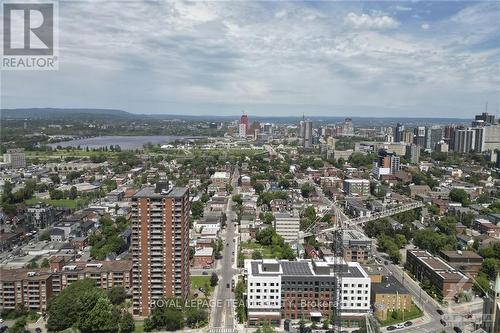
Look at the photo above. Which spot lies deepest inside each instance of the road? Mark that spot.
(223, 315)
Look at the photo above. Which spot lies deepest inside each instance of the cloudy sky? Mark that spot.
(438, 59)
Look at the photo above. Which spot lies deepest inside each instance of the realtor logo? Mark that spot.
(29, 36)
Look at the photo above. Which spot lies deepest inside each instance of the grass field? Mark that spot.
(65, 203)
(201, 282)
(250, 247)
(139, 326)
(414, 313)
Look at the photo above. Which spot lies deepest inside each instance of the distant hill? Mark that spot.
(52, 113)
(107, 114)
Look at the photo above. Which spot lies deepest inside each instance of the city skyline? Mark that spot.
(324, 59)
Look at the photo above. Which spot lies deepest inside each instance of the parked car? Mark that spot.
(38, 330)
(408, 324)
(205, 273)
(398, 326)
(227, 285)
(440, 311)
(391, 328)
(457, 329)
(442, 322)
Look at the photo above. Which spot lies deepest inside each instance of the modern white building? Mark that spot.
(16, 158)
(305, 289)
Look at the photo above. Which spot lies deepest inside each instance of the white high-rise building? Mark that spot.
(16, 158)
(242, 130)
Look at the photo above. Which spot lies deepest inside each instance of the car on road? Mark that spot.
(457, 329)
(442, 322)
(408, 324)
(391, 328)
(204, 273)
(440, 311)
(398, 326)
(227, 285)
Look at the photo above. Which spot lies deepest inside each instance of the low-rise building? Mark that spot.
(30, 288)
(357, 246)
(448, 281)
(203, 257)
(389, 295)
(33, 288)
(41, 215)
(468, 262)
(359, 187)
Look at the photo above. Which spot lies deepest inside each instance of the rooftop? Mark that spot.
(389, 285)
(149, 192)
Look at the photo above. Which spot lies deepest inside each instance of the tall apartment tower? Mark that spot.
(15, 157)
(160, 245)
(398, 133)
(308, 134)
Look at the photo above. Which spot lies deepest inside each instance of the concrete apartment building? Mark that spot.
(287, 225)
(447, 280)
(357, 246)
(34, 288)
(24, 287)
(360, 187)
(160, 245)
(16, 158)
(304, 289)
(41, 215)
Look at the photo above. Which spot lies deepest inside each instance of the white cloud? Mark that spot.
(142, 56)
(365, 21)
(280, 14)
(425, 26)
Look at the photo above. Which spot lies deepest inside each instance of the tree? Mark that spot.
(214, 279)
(19, 325)
(259, 188)
(459, 195)
(73, 193)
(256, 255)
(482, 283)
(72, 305)
(266, 328)
(32, 264)
(126, 324)
(306, 190)
(237, 199)
(117, 295)
(196, 317)
(101, 318)
(45, 263)
(268, 218)
(197, 209)
(490, 267)
(169, 316)
(45, 236)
